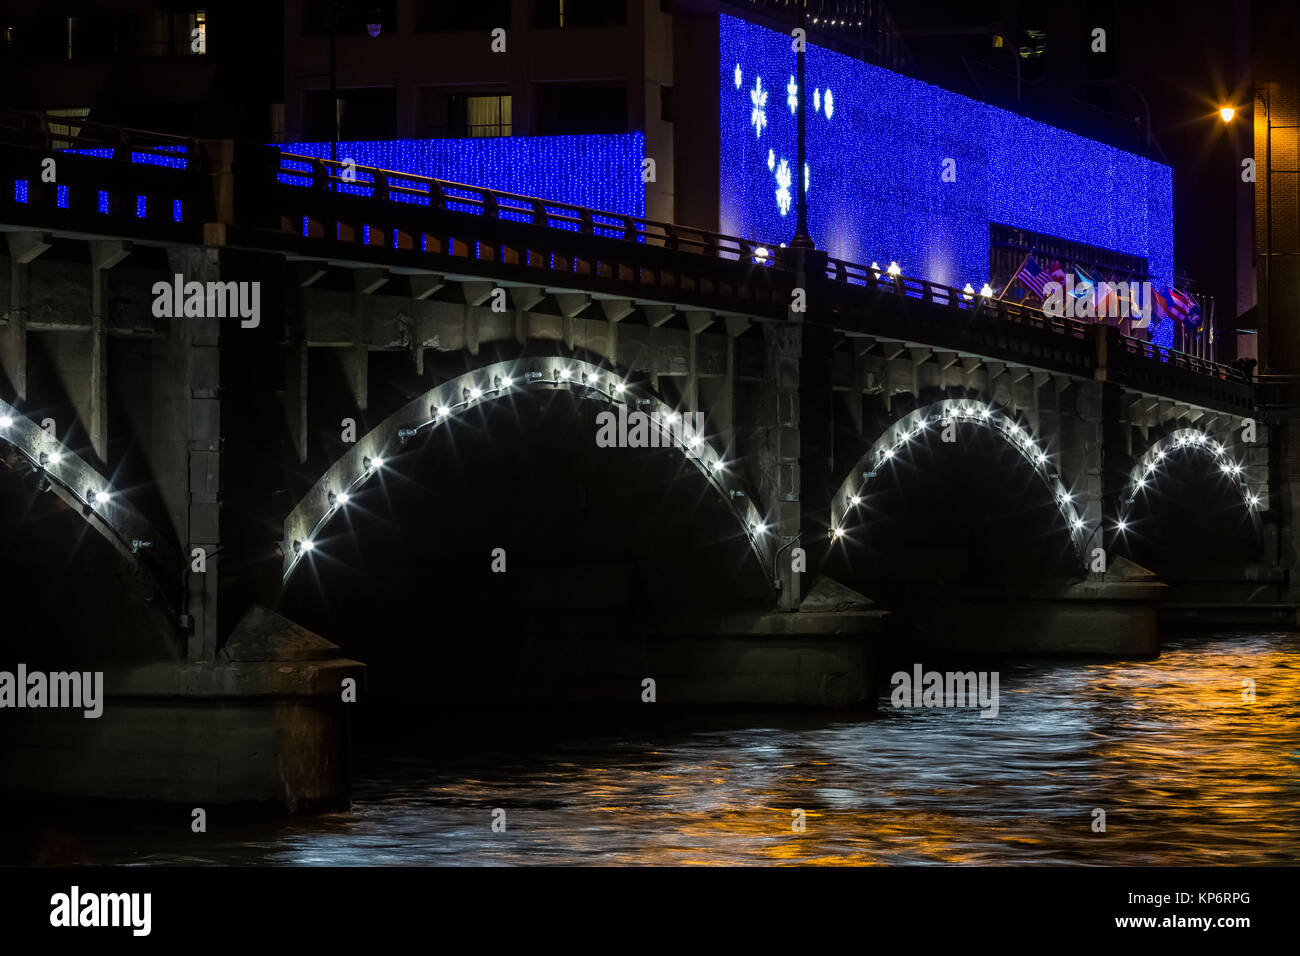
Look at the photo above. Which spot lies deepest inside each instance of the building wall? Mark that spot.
(876, 158)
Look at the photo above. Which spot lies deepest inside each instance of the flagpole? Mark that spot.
(1019, 269)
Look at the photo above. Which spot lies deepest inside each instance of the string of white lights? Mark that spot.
(1147, 470)
(450, 399)
(78, 480)
(899, 437)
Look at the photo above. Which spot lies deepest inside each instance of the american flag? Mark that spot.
(1034, 278)
(1182, 307)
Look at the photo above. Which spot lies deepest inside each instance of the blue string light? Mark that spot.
(20, 190)
(597, 171)
(878, 146)
(61, 197)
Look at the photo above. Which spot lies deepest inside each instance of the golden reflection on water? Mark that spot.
(1186, 771)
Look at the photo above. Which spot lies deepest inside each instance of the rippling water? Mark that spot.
(1185, 769)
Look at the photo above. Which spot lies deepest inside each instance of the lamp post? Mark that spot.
(1228, 114)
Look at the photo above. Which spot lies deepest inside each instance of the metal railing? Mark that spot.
(42, 131)
(387, 185)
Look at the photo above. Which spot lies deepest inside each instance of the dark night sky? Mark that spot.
(1181, 57)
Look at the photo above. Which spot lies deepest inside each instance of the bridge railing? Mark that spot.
(86, 137)
(387, 185)
(337, 176)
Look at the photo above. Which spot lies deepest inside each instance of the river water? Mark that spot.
(1186, 770)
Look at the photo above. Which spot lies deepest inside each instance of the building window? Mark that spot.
(460, 113)
(363, 114)
(485, 115)
(565, 108)
(64, 135)
(580, 13)
(479, 15)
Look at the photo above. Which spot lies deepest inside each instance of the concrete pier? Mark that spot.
(266, 723)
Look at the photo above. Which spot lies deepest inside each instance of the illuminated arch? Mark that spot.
(443, 402)
(959, 411)
(1148, 469)
(91, 495)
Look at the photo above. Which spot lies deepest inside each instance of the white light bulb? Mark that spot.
(564, 373)
(837, 532)
(1078, 523)
(889, 453)
(475, 393)
(986, 290)
(894, 269)
(760, 528)
(717, 465)
(54, 458)
(309, 545)
(1121, 525)
(5, 421)
(507, 382)
(618, 388)
(443, 411)
(592, 378)
(855, 501)
(376, 462)
(102, 497)
(343, 497)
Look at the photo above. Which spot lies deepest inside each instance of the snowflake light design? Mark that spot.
(771, 160)
(758, 96)
(805, 178)
(783, 187)
(828, 100)
(737, 76)
(792, 95)
(817, 101)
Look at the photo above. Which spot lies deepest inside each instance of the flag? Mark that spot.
(1056, 273)
(1033, 278)
(1183, 308)
(1085, 286)
(1160, 305)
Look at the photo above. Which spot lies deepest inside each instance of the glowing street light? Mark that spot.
(1227, 113)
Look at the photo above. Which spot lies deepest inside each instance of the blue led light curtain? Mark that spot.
(599, 171)
(877, 145)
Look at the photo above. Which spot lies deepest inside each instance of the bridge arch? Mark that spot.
(849, 497)
(88, 493)
(444, 402)
(1191, 441)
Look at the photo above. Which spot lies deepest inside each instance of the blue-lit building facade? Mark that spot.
(898, 170)
(954, 190)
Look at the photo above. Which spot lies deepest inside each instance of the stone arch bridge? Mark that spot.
(419, 298)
